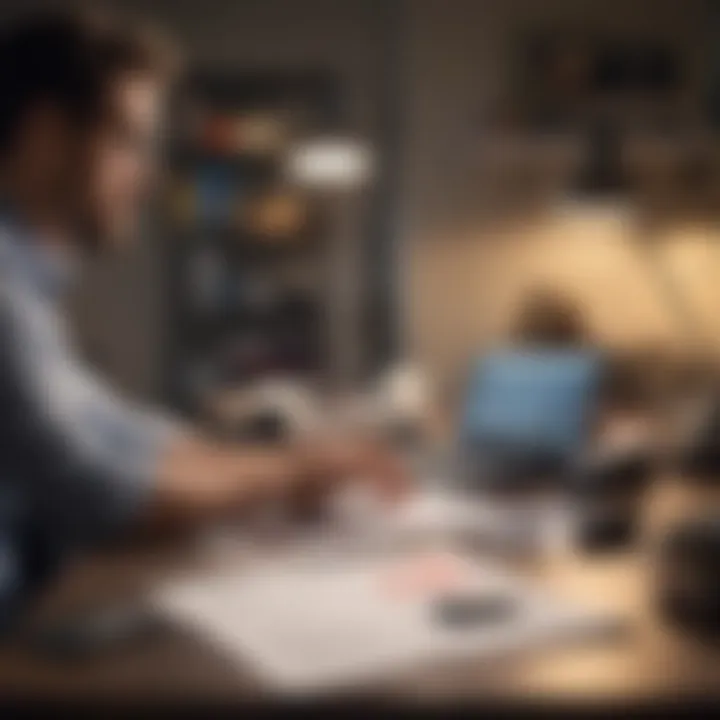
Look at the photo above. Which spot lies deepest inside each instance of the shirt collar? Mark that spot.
(48, 269)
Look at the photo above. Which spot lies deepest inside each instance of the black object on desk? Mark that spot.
(607, 489)
(496, 466)
(688, 577)
(469, 611)
(700, 455)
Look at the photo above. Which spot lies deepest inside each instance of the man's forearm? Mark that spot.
(198, 480)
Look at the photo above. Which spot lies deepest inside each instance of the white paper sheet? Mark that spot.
(312, 626)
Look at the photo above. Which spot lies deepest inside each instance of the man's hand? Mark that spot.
(327, 463)
(198, 481)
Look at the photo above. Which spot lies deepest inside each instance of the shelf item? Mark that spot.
(252, 133)
(216, 191)
(330, 163)
(206, 277)
(182, 202)
(256, 292)
(260, 134)
(276, 216)
(218, 134)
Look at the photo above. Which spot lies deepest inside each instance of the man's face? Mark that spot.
(119, 160)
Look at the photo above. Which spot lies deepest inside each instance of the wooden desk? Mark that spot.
(653, 661)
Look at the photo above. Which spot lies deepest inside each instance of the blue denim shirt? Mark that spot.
(77, 460)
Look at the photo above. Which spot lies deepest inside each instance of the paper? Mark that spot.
(315, 626)
(426, 512)
(446, 517)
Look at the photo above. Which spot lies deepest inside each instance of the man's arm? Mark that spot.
(191, 478)
(198, 481)
(94, 465)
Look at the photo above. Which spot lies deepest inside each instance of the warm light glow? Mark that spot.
(600, 213)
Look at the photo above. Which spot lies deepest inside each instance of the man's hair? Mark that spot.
(549, 317)
(68, 60)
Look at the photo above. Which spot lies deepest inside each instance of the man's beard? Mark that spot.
(90, 238)
(96, 237)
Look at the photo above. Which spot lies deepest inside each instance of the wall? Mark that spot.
(463, 276)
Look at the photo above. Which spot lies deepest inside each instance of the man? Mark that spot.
(80, 104)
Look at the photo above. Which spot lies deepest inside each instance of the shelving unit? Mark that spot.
(248, 250)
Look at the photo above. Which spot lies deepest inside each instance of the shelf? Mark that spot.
(180, 159)
(232, 209)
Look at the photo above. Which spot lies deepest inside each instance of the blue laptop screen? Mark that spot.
(541, 399)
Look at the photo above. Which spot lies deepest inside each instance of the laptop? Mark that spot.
(526, 416)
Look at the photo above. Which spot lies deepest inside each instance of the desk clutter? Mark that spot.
(397, 405)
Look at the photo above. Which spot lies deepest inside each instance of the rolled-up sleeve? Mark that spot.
(86, 458)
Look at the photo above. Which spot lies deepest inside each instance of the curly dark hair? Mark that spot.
(68, 58)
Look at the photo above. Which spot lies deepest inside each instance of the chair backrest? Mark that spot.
(537, 400)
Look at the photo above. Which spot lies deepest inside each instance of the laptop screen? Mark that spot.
(539, 399)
